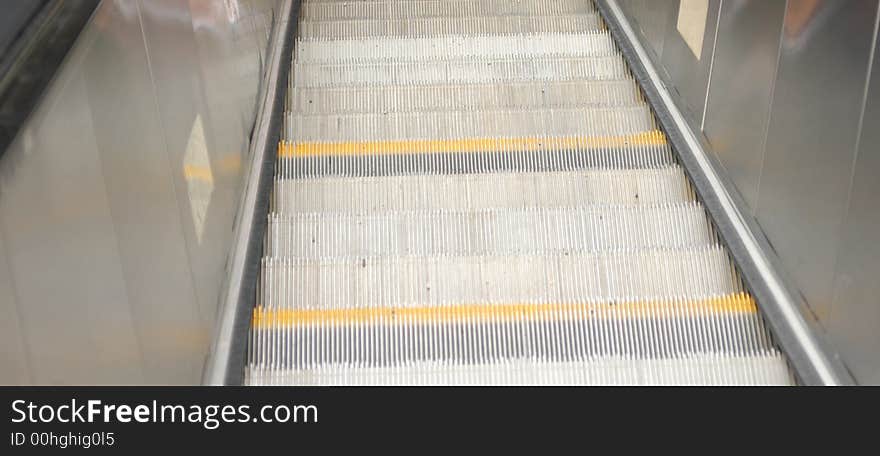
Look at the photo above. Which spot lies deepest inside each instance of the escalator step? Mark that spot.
(475, 97)
(450, 9)
(365, 195)
(476, 192)
(461, 71)
(486, 232)
(389, 50)
(442, 26)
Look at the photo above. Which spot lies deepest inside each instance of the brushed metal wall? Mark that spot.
(118, 196)
(811, 138)
(855, 308)
(660, 23)
(653, 18)
(791, 110)
(738, 108)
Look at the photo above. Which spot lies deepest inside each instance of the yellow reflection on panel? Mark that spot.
(199, 178)
(692, 16)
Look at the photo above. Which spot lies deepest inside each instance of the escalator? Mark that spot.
(479, 192)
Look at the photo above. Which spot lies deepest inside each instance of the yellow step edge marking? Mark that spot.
(465, 145)
(733, 304)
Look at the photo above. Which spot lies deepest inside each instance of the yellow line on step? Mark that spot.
(466, 145)
(733, 304)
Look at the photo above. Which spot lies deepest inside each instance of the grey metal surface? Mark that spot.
(652, 18)
(16, 14)
(226, 357)
(743, 76)
(657, 22)
(807, 350)
(689, 73)
(855, 311)
(117, 198)
(143, 204)
(814, 124)
(801, 182)
(68, 282)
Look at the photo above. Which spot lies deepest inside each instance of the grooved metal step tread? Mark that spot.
(438, 125)
(608, 276)
(443, 48)
(451, 9)
(487, 231)
(695, 370)
(502, 190)
(476, 97)
(461, 71)
(442, 26)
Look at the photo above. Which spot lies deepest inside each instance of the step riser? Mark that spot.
(452, 162)
(576, 338)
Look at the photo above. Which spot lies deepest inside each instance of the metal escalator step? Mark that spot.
(438, 125)
(423, 314)
(480, 334)
(523, 95)
(461, 71)
(486, 231)
(451, 9)
(568, 277)
(374, 50)
(692, 369)
(439, 26)
(503, 190)
(475, 192)
(489, 309)
(472, 155)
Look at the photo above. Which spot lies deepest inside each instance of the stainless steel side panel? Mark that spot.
(653, 17)
(738, 108)
(689, 73)
(855, 315)
(138, 177)
(812, 137)
(61, 247)
(118, 197)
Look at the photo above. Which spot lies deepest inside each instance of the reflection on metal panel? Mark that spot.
(855, 315)
(812, 136)
(142, 196)
(111, 241)
(691, 24)
(689, 73)
(653, 17)
(738, 108)
(60, 245)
